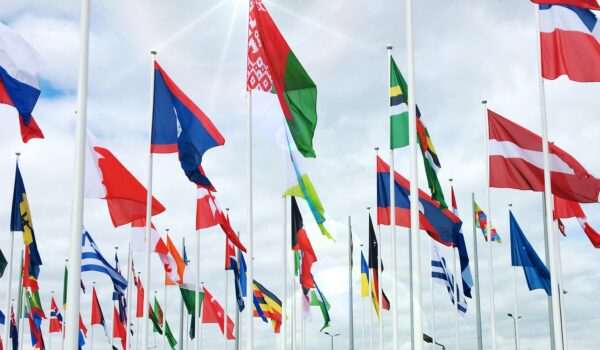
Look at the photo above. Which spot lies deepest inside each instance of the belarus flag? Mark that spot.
(516, 161)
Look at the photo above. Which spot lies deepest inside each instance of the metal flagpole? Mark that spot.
(414, 187)
(181, 320)
(237, 308)
(225, 323)
(137, 321)
(379, 287)
(197, 306)
(164, 335)
(9, 274)
(284, 250)
(72, 331)
(476, 279)
(362, 308)
(294, 321)
(49, 334)
(457, 280)
(561, 292)
(199, 325)
(128, 303)
(515, 303)
(250, 265)
(62, 336)
(302, 333)
(394, 306)
(148, 218)
(371, 314)
(351, 294)
(547, 258)
(91, 325)
(557, 322)
(433, 338)
(488, 228)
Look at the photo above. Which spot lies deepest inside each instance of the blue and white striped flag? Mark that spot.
(441, 274)
(92, 260)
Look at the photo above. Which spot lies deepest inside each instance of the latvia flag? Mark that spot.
(516, 161)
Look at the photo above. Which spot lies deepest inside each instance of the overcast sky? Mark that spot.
(466, 51)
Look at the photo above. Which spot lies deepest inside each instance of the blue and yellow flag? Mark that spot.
(364, 276)
(20, 220)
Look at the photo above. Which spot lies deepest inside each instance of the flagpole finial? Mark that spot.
(377, 148)
(153, 52)
(450, 179)
(368, 208)
(17, 154)
(510, 205)
(484, 102)
(389, 46)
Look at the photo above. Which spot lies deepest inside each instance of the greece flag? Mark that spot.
(92, 260)
(441, 274)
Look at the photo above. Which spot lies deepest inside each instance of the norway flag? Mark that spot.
(197, 134)
(570, 39)
(19, 85)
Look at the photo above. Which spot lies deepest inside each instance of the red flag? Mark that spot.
(212, 312)
(139, 310)
(208, 214)
(97, 316)
(564, 209)
(588, 4)
(55, 318)
(516, 161)
(82, 326)
(118, 328)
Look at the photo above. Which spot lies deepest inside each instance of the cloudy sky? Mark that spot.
(466, 51)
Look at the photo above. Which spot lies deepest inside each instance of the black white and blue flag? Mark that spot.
(441, 274)
(92, 260)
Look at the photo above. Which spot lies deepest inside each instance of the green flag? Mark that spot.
(65, 279)
(318, 299)
(169, 335)
(3, 263)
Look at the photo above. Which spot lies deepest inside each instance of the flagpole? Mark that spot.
(128, 303)
(379, 286)
(21, 306)
(164, 335)
(561, 292)
(10, 269)
(489, 228)
(476, 280)
(250, 265)
(91, 325)
(371, 299)
(197, 308)
(414, 187)
(199, 323)
(148, 217)
(49, 334)
(237, 308)
(432, 296)
(284, 274)
(294, 321)
(137, 320)
(72, 334)
(351, 294)
(457, 278)
(302, 333)
(62, 336)
(181, 324)
(557, 322)
(515, 302)
(362, 308)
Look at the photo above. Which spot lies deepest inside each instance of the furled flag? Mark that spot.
(441, 224)
(29, 272)
(569, 39)
(242, 276)
(97, 317)
(35, 329)
(373, 265)
(516, 161)
(119, 331)
(441, 274)
(65, 280)
(2, 318)
(92, 260)
(300, 242)
(56, 320)
(139, 308)
(20, 219)
(364, 276)
(118, 295)
(3, 263)
(231, 263)
(523, 254)
(267, 304)
(170, 338)
(564, 209)
(19, 83)
(14, 330)
(107, 178)
(463, 254)
(274, 68)
(212, 312)
(138, 238)
(209, 214)
(156, 323)
(482, 224)
(178, 125)
(399, 132)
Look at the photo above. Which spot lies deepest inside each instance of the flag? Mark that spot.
(173, 264)
(156, 325)
(3, 263)
(399, 131)
(441, 224)
(169, 335)
(2, 318)
(197, 134)
(97, 316)
(14, 330)
(568, 209)
(364, 276)
(118, 295)
(212, 312)
(119, 331)
(231, 263)
(242, 277)
(19, 83)
(300, 242)
(35, 330)
(82, 326)
(482, 224)
(92, 260)
(569, 40)
(209, 214)
(317, 299)
(20, 218)
(139, 309)
(441, 274)
(107, 178)
(463, 254)
(516, 161)
(158, 313)
(373, 265)
(523, 254)
(274, 68)
(138, 238)
(56, 320)
(268, 304)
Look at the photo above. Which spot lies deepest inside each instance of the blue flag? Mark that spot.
(242, 274)
(523, 254)
(92, 260)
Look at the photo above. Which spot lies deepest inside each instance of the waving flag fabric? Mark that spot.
(35, 329)
(373, 265)
(231, 263)
(482, 224)
(97, 317)
(173, 264)
(318, 299)
(213, 312)
(138, 238)
(92, 260)
(173, 109)
(570, 40)
(56, 319)
(107, 178)
(119, 331)
(441, 274)
(564, 209)
(14, 330)
(209, 214)
(170, 338)
(19, 82)
(273, 67)
(441, 224)
(523, 254)
(3, 263)
(139, 308)
(268, 304)
(300, 242)
(364, 276)
(516, 161)
(463, 254)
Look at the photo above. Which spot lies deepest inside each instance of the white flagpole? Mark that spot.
(9, 275)
(128, 303)
(476, 279)
(137, 321)
(148, 217)
(380, 288)
(562, 292)
(72, 331)
(199, 325)
(302, 333)
(250, 265)
(370, 299)
(557, 322)
(433, 338)
(226, 290)
(394, 306)
(350, 294)
(362, 308)
(294, 320)
(457, 280)
(489, 228)
(515, 303)
(91, 325)
(49, 334)
(181, 318)
(284, 250)
(164, 335)
(197, 308)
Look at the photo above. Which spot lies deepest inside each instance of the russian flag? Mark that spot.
(442, 225)
(197, 134)
(19, 85)
(570, 40)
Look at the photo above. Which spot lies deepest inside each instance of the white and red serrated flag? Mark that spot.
(209, 214)
(516, 161)
(107, 178)
(138, 238)
(564, 209)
